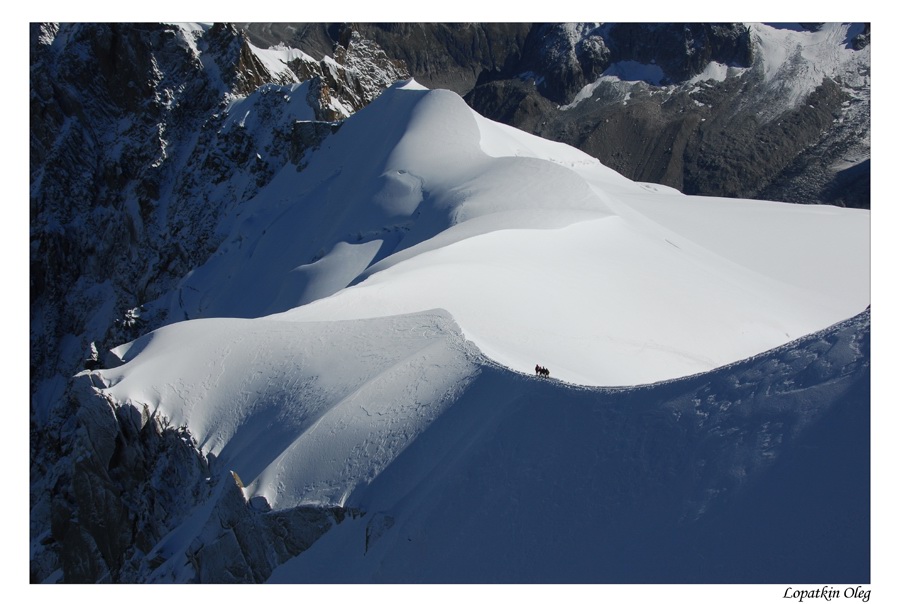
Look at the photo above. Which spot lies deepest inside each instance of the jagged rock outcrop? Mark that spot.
(122, 478)
(349, 77)
(112, 107)
(733, 137)
(131, 146)
(563, 58)
(133, 158)
(106, 487)
(438, 55)
(862, 39)
(244, 541)
(662, 130)
(241, 71)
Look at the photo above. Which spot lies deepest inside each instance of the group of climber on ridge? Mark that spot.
(543, 371)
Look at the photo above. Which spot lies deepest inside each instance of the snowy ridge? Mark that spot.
(448, 455)
(333, 325)
(570, 466)
(539, 252)
(375, 374)
(262, 396)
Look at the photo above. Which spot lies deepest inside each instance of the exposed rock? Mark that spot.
(563, 58)
(307, 136)
(243, 542)
(128, 132)
(753, 151)
(133, 159)
(520, 74)
(110, 484)
(863, 38)
(133, 479)
(682, 50)
(438, 55)
(720, 138)
(242, 72)
(367, 70)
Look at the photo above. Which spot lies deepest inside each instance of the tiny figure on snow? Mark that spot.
(542, 371)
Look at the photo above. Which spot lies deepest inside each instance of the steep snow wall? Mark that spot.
(442, 466)
(756, 472)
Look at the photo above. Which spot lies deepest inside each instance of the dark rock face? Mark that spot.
(115, 480)
(243, 542)
(716, 149)
(109, 106)
(520, 74)
(133, 159)
(364, 71)
(439, 55)
(723, 138)
(568, 57)
(241, 71)
(751, 151)
(128, 130)
(107, 486)
(863, 38)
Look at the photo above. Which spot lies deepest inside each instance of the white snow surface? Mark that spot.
(307, 411)
(351, 302)
(632, 71)
(276, 59)
(718, 72)
(540, 253)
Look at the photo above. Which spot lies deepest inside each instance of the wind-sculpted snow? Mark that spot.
(539, 252)
(456, 469)
(756, 472)
(304, 412)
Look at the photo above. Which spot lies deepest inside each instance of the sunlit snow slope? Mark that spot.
(360, 339)
(465, 471)
(539, 253)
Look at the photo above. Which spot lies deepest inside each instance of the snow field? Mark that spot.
(387, 289)
(540, 253)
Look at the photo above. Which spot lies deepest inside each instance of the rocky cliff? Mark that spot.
(657, 102)
(137, 149)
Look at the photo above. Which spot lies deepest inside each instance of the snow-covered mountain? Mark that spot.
(325, 369)
(761, 110)
(537, 250)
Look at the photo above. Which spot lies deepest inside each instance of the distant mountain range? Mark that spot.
(766, 111)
